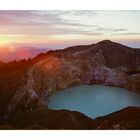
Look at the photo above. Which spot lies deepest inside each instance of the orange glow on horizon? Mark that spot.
(11, 40)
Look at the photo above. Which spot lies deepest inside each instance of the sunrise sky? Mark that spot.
(59, 29)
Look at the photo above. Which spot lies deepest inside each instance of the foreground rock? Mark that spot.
(49, 119)
(126, 119)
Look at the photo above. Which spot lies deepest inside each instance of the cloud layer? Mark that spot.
(52, 23)
(61, 27)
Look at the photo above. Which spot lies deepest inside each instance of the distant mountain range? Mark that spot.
(18, 53)
(26, 85)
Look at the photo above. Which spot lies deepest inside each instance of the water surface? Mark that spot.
(93, 100)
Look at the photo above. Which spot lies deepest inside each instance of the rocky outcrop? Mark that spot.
(126, 119)
(105, 63)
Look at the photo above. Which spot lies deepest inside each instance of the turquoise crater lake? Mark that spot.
(93, 100)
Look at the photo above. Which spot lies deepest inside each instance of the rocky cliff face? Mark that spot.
(30, 83)
(106, 63)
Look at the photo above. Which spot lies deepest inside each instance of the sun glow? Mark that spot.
(6, 40)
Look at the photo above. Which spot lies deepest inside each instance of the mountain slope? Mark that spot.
(106, 63)
(28, 84)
